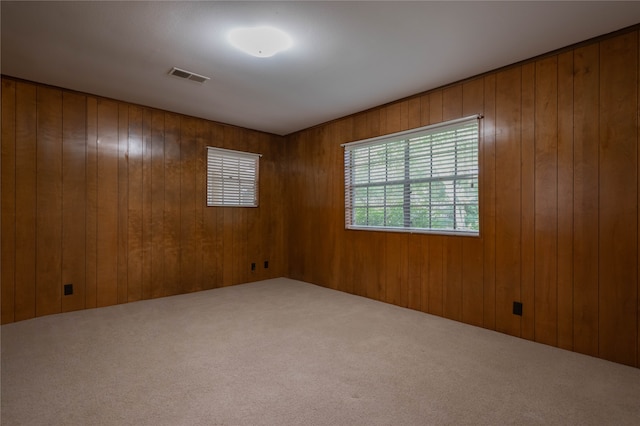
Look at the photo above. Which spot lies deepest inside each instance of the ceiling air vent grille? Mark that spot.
(177, 72)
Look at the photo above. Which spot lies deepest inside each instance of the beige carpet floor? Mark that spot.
(283, 352)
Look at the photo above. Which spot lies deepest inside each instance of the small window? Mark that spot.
(232, 178)
(422, 180)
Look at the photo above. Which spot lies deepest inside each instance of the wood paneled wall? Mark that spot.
(559, 205)
(111, 197)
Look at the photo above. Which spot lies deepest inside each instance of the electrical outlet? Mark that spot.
(266, 264)
(253, 266)
(68, 289)
(517, 308)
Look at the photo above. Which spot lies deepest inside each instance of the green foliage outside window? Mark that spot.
(421, 182)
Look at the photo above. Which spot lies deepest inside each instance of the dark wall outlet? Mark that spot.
(517, 308)
(68, 289)
(253, 266)
(266, 264)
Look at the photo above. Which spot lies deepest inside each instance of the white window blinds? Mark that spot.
(422, 180)
(232, 178)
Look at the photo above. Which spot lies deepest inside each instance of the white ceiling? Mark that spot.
(347, 57)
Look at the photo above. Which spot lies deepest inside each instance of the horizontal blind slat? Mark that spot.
(416, 181)
(232, 178)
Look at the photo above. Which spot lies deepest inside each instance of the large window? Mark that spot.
(422, 180)
(232, 178)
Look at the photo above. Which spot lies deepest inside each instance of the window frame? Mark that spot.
(403, 137)
(252, 180)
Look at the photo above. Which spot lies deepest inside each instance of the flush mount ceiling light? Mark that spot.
(261, 42)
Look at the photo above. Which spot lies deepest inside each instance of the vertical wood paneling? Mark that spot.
(565, 200)
(541, 205)
(546, 200)
(172, 201)
(618, 203)
(91, 209)
(452, 279)
(157, 205)
(586, 127)
(147, 200)
(8, 202)
(25, 258)
(110, 197)
(74, 158)
(134, 223)
(200, 191)
(472, 253)
(508, 184)
(107, 212)
(254, 219)
(416, 258)
(341, 262)
(396, 271)
(527, 202)
(122, 189)
(123, 202)
(49, 202)
(488, 201)
(187, 204)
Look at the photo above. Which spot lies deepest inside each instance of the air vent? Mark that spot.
(177, 72)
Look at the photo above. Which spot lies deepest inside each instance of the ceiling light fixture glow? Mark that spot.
(261, 42)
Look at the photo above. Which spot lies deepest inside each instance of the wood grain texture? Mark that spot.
(558, 204)
(8, 202)
(415, 265)
(527, 202)
(107, 207)
(91, 209)
(25, 257)
(396, 279)
(109, 197)
(49, 202)
(488, 201)
(541, 180)
(134, 206)
(546, 201)
(172, 202)
(123, 202)
(585, 199)
(147, 200)
(200, 194)
(156, 224)
(618, 202)
(452, 278)
(565, 200)
(508, 202)
(74, 192)
(253, 230)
